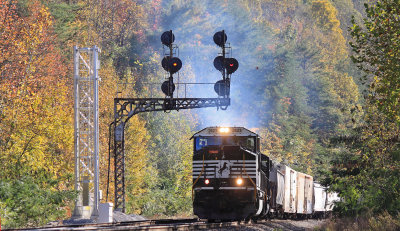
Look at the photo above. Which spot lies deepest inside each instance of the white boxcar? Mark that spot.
(319, 197)
(280, 195)
(304, 193)
(309, 192)
(332, 197)
(277, 184)
(289, 201)
(300, 192)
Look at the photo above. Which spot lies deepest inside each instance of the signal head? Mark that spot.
(221, 87)
(231, 65)
(219, 63)
(164, 63)
(220, 38)
(171, 65)
(168, 88)
(174, 65)
(167, 38)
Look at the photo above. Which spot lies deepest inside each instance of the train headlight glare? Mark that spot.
(239, 181)
(206, 181)
(224, 130)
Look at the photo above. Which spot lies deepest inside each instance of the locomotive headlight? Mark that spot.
(206, 181)
(223, 130)
(239, 181)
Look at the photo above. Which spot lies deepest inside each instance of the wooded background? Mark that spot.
(323, 105)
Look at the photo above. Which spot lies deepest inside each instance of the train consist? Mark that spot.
(233, 180)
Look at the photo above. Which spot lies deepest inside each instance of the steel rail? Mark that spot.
(163, 224)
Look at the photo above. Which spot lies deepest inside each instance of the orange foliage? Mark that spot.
(34, 94)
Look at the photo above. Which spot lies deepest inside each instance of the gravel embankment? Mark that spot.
(283, 225)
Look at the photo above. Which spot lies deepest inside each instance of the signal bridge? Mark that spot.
(125, 108)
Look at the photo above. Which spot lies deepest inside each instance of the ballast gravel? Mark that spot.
(275, 224)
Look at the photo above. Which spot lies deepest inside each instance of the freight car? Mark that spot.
(233, 180)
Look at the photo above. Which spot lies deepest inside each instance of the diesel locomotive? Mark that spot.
(233, 180)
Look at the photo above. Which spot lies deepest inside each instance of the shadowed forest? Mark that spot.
(317, 79)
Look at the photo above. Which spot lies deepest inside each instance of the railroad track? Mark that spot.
(164, 224)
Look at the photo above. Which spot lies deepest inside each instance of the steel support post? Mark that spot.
(119, 164)
(95, 80)
(78, 202)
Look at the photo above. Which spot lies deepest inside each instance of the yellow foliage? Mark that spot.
(330, 37)
(36, 116)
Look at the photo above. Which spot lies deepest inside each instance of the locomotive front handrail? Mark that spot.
(202, 170)
(255, 186)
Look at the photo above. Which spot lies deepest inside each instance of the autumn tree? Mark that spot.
(35, 96)
(36, 123)
(367, 174)
(294, 70)
(308, 96)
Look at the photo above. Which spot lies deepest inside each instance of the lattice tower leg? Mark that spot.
(86, 132)
(119, 166)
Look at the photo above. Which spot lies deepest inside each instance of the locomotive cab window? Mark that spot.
(250, 143)
(264, 163)
(245, 142)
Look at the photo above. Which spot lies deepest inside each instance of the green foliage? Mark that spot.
(170, 191)
(64, 16)
(376, 52)
(310, 94)
(367, 172)
(25, 203)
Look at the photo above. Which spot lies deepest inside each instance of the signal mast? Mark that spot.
(225, 65)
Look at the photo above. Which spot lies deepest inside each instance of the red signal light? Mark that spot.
(207, 181)
(231, 65)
